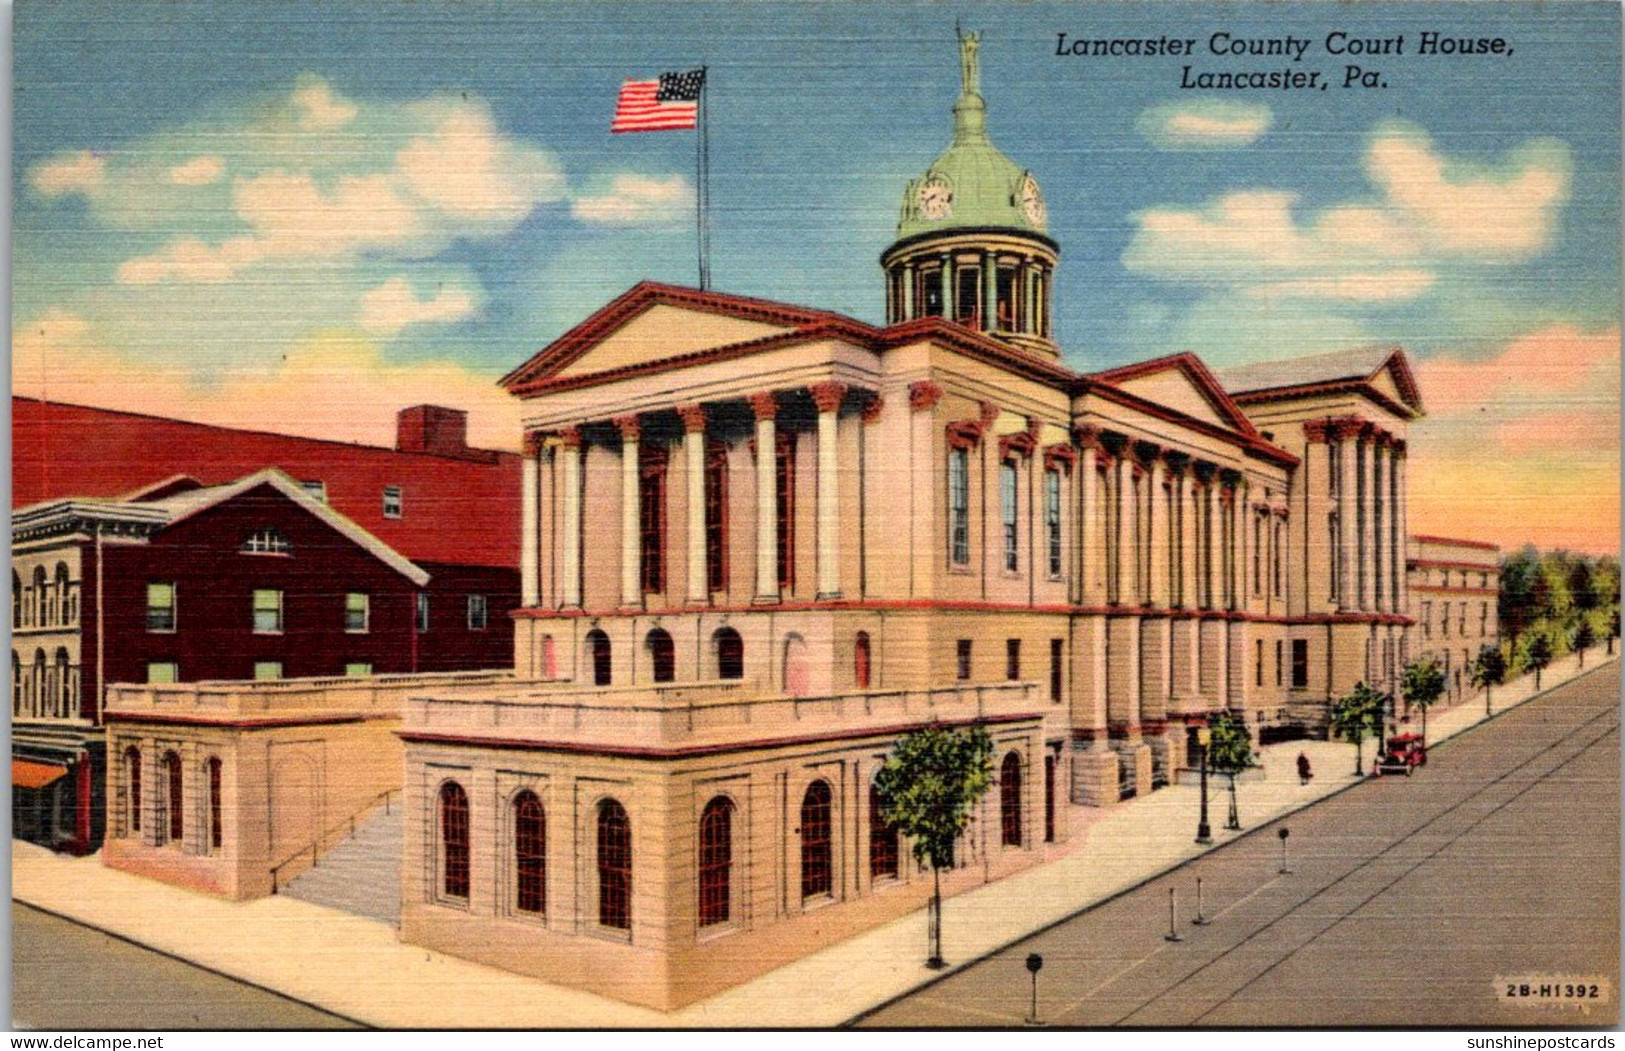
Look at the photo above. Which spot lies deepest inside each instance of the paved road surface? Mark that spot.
(1408, 898)
(69, 977)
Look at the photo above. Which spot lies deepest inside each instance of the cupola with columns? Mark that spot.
(971, 239)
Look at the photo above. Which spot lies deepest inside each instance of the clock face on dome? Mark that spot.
(936, 198)
(1032, 201)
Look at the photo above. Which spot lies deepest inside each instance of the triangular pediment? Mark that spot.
(663, 332)
(1184, 385)
(1174, 389)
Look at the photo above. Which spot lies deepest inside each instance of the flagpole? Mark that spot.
(702, 201)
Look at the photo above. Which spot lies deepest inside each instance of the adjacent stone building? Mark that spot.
(1457, 586)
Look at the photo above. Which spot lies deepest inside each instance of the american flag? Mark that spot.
(671, 103)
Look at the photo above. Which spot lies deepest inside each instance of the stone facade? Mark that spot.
(1456, 584)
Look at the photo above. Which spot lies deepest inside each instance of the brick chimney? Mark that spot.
(432, 429)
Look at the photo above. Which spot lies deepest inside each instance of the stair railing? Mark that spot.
(315, 847)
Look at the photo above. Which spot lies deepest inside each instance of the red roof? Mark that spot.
(456, 509)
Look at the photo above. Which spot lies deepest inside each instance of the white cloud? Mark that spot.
(1204, 125)
(188, 259)
(638, 200)
(1392, 286)
(393, 306)
(1505, 211)
(199, 171)
(78, 172)
(293, 218)
(317, 108)
(466, 168)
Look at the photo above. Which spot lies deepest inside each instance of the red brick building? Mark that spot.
(148, 549)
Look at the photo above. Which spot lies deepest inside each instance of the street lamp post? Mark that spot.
(1204, 834)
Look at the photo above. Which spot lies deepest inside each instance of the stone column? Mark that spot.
(906, 313)
(1401, 590)
(990, 291)
(1240, 552)
(1348, 593)
(1156, 529)
(767, 503)
(1184, 500)
(530, 591)
(1123, 576)
(1087, 439)
(828, 397)
(1029, 296)
(570, 508)
(950, 287)
(1368, 530)
(699, 592)
(631, 578)
(1380, 512)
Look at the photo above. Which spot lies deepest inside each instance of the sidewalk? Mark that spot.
(355, 967)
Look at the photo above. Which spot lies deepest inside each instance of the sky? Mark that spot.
(303, 216)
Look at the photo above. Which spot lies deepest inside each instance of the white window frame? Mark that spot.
(255, 607)
(357, 669)
(316, 488)
(394, 502)
(172, 608)
(174, 671)
(479, 604)
(365, 610)
(261, 666)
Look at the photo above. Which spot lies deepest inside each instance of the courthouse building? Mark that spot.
(764, 540)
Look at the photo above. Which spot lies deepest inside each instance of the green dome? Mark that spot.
(971, 185)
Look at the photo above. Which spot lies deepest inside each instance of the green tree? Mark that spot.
(1230, 752)
(1516, 607)
(1613, 628)
(1422, 685)
(1356, 716)
(1537, 653)
(1584, 637)
(1488, 669)
(927, 787)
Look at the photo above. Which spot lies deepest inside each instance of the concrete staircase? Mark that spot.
(361, 875)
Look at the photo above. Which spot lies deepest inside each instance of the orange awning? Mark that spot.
(25, 774)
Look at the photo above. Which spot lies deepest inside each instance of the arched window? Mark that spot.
(614, 866)
(132, 779)
(730, 654)
(1010, 800)
(662, 655)
(177, 799)
(64, 688)
(796, 671)
(530, 853)
(882, 840)
(716, 861)
(454, 840)
(39, 596)
(16, 600)
(266, 542)
(817, 865)
(36, 688)
(16, 684)
(599, 654)
(216, 832)
(860, 661)
(66, 614)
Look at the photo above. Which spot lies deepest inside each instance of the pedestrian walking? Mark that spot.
(1304, 773)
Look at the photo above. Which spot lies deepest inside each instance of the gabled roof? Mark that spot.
(457, 510)
(1200, 376)
(1358, 367)
(178, 507)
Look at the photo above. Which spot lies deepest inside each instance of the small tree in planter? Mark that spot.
(1355, 716)
(1489, 669)
(1422, 685)
(1230, 752)
(927, 787)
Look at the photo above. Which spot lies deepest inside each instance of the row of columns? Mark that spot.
(1028, 292)
(828, 397)
(1370, 556)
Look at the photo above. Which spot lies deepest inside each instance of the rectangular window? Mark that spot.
(785, 495)
(1427, 620)
(1057, 653)
(318, 489)
(1258, 555)
(357, 612)
(1277, 662)
(1275, 560)
(652, 520)
(1461, 624)
(1258, 669)
(358, 669)
(959, 506)
(929, 293)
(421, 612)
(1004, 288)
(267, 669)
(160, 607)
(969, 305)
(1007, 516)
(267, 612)
(1300, 664)
(476, 613)
(716, 517)
(1052, 521)
(1012, 659)
(963, 662)
(1483, 618)
(392, 501)
(163, 671)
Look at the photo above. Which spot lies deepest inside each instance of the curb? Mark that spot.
(1176, 866)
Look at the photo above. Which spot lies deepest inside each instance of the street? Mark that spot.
(1409, 902)
(69, 977)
